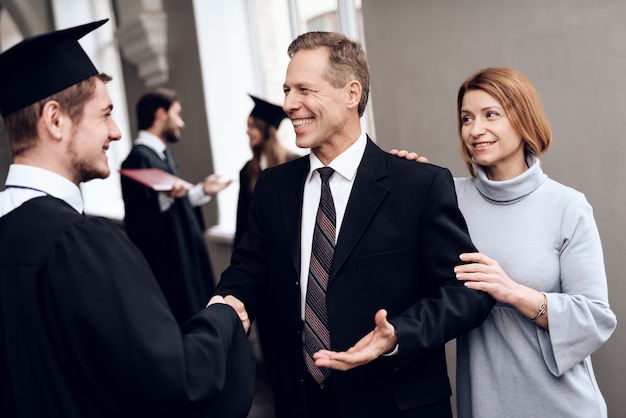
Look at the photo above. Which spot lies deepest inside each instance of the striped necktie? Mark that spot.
(316, 333)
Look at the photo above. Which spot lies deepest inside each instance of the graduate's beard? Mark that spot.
(83, 170)
(171, 139)
(170, 135)
(86, 172)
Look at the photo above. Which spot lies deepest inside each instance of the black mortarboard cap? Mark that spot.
(43, 65)
(267, 111)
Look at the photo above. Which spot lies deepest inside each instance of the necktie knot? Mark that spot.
(325, 173)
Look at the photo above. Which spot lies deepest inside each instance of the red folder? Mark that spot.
(154, 178)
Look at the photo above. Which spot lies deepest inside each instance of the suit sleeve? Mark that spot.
(451, 309)
(249, 262)
(243, 205)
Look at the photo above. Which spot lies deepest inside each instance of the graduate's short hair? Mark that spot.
(150, 102)
(21, 125)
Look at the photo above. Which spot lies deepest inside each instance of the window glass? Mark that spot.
(330, 15)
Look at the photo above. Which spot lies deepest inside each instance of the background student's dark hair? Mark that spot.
(150, 102)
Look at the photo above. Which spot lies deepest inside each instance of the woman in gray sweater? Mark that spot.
(531, 357)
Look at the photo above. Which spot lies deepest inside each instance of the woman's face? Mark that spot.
(490, 137)
(254, 133)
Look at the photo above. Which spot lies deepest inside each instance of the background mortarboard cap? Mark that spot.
(267, 111)
(43, 65)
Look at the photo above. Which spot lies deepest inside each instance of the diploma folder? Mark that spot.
(154, 178)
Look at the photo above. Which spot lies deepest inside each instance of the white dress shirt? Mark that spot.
(25, 182)
(341, 182)
(196, 194)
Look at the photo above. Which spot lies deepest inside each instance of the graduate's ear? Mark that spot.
(53, 119)
(160, 114)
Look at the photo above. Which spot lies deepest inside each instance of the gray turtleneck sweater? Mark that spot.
(544, 236)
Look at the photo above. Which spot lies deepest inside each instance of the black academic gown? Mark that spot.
(86, 332)
(172, 241)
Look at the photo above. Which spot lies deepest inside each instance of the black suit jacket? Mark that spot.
(398, 244)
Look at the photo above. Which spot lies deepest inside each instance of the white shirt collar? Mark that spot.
(263, 162)
(39, 179)
(345, 163)
(151, 141)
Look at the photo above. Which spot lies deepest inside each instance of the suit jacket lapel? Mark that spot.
(366, 196)
(291, 200)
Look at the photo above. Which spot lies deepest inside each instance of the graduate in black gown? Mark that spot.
(167, 226)
(84, 328)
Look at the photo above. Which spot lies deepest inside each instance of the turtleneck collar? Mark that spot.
(507, 192)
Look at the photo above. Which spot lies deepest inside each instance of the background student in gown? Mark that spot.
(168, 227)
(84, 328)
